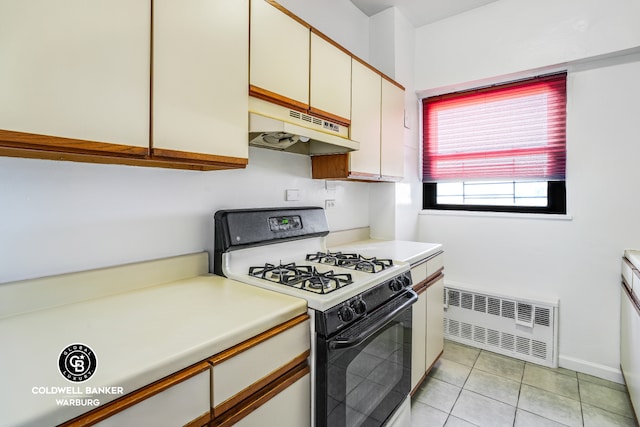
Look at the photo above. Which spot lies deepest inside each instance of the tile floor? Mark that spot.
(472, 387)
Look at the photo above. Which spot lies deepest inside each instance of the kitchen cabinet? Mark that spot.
(428, 314)
(279, 56)
(392, 132)
(242, 378)
(377, 123)
(200, 73)
(181, 399)
(86, 86)
(630, 334)
(330, 80)
(75, 78)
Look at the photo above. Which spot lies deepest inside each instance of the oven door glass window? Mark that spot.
(367, 382)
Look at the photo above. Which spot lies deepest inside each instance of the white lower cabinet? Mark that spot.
(428, 314)
(178, 405)
(630, 347)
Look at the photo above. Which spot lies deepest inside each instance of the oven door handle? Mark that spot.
(373, 323)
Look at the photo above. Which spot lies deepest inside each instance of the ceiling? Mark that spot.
(420, 12)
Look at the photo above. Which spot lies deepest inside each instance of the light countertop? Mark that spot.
(138, 337)
(399, 250)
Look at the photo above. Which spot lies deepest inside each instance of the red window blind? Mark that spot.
(512, 131)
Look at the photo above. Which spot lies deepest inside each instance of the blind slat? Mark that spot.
(513, 131)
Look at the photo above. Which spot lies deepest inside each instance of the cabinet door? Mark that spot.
(200, 74)
(330, 86)
(630, 348)
(435, 317)
(418, 339)
(365, 120)
(279, 55)
(392, 133)
(78, 70)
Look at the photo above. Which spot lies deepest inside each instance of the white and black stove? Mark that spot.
(360, 306)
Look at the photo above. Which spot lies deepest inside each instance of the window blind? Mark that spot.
(512, 131)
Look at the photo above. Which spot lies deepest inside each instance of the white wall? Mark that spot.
(576, 260)
(63, 216)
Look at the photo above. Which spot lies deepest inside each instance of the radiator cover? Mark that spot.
(522, 328)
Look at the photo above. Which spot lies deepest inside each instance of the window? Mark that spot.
(500, 148)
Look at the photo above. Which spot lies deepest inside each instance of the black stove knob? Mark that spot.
(396, 285)
(346, 313)
(359, 306)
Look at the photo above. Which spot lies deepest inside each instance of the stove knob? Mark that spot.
(359, 306)
(346, 313)
(395, 285)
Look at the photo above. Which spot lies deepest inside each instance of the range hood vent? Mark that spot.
(280, 128)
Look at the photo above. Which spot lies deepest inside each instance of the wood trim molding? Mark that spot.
(34, 141)
(288, 13)
(634, 301)
(329, 116)
(260, 384)
(106, 159)
(201, 421)
(197, 158)
(246, 345)
(429, 281)
(261, 398)
(267, 95)
(133, 398)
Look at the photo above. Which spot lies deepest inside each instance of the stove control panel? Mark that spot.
(285, 223)
(350, 311)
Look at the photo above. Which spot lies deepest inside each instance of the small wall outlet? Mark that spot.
(329, 204)
(292, 195)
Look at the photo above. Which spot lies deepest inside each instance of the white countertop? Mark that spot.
(399, 250)
(138, 337)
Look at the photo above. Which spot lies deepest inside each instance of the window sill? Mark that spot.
(553, 217)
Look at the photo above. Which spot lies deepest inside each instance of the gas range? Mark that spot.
(360, 308)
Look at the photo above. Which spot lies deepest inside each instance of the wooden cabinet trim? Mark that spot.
(258, 385)
(426, 374)
(197, 158)
(632, 298)
(289, 13)
(372, 68)
(267, 95)
(329, 116)
(246, 408)
(429, 281)
(201, 421)
(135, 397)
(246, 345)
(33, 141)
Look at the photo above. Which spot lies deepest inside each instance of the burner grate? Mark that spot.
(350, 260)
(302, 277)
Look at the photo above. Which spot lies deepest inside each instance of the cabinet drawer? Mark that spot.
(244, 369)
(287, 403)
(427, 268)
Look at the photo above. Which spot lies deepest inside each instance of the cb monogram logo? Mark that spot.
(77, 363)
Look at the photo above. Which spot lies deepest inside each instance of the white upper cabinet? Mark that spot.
(76, 69)
(279, 57)
(330, 89)
(392, 132)
(200, 74)
(365, 121)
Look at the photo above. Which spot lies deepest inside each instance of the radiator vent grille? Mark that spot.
(523, 329)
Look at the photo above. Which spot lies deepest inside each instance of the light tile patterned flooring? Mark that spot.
(472, 387)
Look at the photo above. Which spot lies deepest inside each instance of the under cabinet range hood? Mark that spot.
(280, 128)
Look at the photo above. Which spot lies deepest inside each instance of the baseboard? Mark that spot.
(589, 368)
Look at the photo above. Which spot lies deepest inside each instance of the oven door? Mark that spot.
(364, 372)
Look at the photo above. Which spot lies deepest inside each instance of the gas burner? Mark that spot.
(302, 277)
(349, 260)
